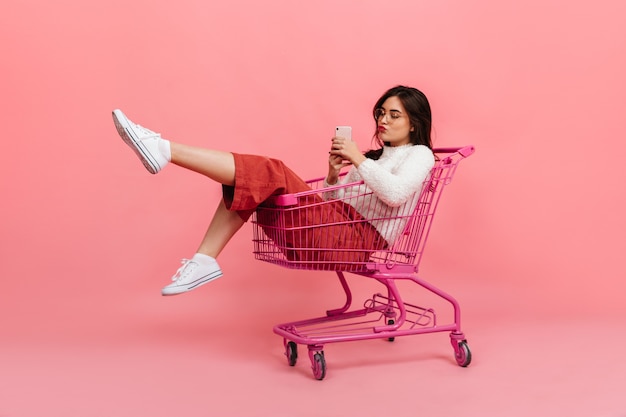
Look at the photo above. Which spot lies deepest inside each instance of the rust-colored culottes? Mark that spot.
(330, 232)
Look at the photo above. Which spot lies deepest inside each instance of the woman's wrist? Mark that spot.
(358, 160)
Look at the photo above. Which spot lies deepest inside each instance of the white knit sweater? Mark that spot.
(393, 180)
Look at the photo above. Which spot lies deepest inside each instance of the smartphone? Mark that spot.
(344, 132)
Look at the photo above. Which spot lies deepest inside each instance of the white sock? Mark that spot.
(202, 259)
(164, 148)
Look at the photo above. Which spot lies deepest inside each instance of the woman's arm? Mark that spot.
(343, 152)
(396, 187)
(335, 164)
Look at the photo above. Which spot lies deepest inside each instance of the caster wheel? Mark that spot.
(319, 365)
(291, 351)
(463, 355)
(391, 321)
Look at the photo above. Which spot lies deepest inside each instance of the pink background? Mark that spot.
(529, 237)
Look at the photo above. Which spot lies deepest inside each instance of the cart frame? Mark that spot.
(383, 316)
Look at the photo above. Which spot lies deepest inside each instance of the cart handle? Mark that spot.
(464, 151)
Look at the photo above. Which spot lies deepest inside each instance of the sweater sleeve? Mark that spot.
(396, 186)
(340, 192)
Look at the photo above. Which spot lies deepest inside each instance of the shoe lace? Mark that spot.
(147, 133)
(187, 268)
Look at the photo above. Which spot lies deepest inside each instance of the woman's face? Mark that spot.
(393, 122)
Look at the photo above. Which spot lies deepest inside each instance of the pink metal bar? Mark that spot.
(346, 290)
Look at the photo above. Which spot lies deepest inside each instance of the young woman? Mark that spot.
(394, 172)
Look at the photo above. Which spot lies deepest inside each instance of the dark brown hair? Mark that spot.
(418, 110)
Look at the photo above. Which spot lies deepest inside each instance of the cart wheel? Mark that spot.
(291, 351)
(463, 355)
(319, 365)
(391, 321)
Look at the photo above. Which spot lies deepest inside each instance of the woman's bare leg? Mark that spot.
(223, 226)
(217, 165)
(220, 167)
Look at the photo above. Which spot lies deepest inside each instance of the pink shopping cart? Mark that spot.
(384, 316)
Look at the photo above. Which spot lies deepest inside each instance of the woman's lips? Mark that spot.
(382, 128)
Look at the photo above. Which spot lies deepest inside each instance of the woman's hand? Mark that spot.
(335, 164)
(343, 152)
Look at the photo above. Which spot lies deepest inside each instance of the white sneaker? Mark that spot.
(192, 275)
(143, 141)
